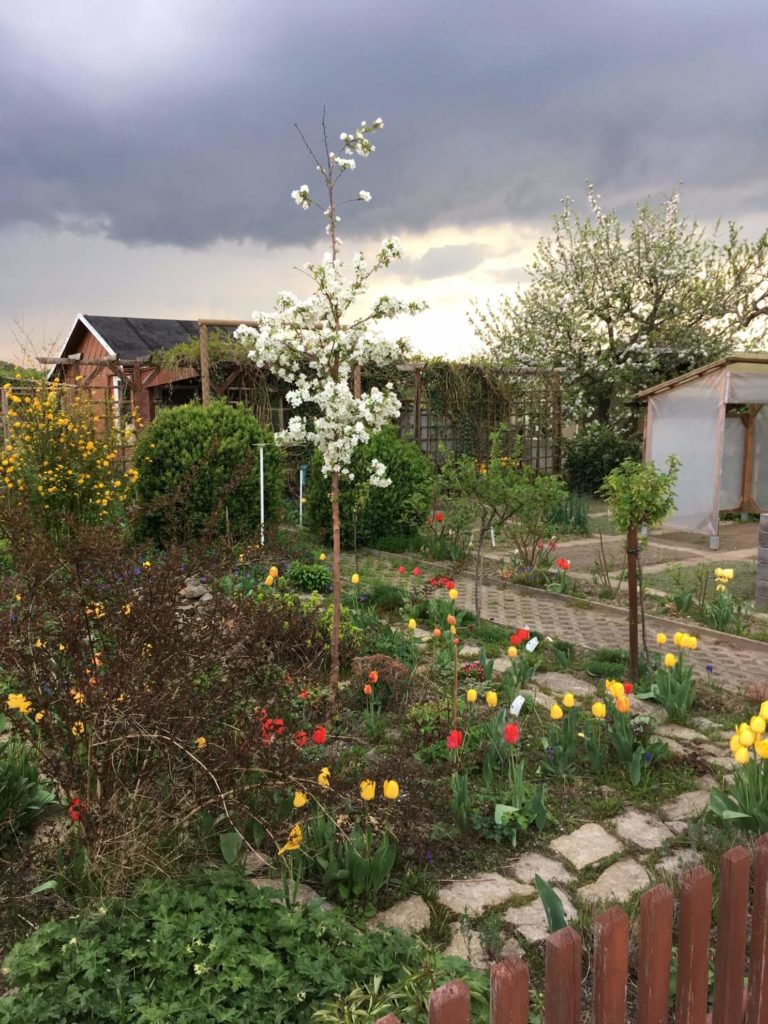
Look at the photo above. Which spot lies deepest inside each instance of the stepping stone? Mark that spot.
(525, 869)
(678, 827)
(475, 895)
(681, 732)
(674, 747)
(587, 845)
(422, 635)
(471, 651)
(617, 883)
(468, 946)
(561, 682)
(641, 829)
(531, 920)
(685, 806)
(500, 665)
(677, 862)
(409, 916)
(304, 894)
(707, 782)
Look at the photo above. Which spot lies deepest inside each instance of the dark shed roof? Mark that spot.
(132, 337)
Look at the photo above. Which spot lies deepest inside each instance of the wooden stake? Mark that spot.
(632, 553)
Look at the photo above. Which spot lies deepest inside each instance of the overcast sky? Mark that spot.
(147, 149)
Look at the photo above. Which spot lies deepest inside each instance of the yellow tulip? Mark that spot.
(568, 700)
(390, 789)
(556, 712)
(321, 556)
(269, 581)
(757, 725)
(274, 572)
(324, 778)
(355, 578)
(511, 652)
(453, 593)
(670, 660)
(492, 699)
(367, 789)
(746, 737)
(733, 743)
(676, 639)
(294, 841)
(622, 704)
(741, 756)
(411, 623)
(617, 690)
(453, 631)
(471, 696)
(764, 710)
(300, 799)
(661, 639)
(761, 748)
(598, 709)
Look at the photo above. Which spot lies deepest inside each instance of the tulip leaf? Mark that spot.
(230, 843)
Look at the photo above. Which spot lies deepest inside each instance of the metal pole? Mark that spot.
(302, 471)
(261, 490)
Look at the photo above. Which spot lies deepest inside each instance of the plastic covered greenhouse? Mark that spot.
(715, 420)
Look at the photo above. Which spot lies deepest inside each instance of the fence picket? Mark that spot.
(389, 1019)
(611, 969)
(693, 946)
(728, 1007)
(449, 1004)
(562, 978)
(509, 992)
(757, 996)
(654, 956)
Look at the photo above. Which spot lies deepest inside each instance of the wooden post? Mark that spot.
(654, 956)
(611, 969)
(632, 553)
(557, 423)
(693, 946)
(747, 502)
(449, 1004)
(731, 936)
(509, 992)
(757, 993)
(562, 978)
(417, 405)
(357, 381)
(205, 369)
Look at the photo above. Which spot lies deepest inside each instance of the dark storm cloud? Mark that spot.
(493, 111)
(444, 261)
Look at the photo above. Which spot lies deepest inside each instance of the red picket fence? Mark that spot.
(734, 1003)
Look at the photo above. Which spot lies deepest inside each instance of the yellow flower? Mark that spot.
(411, 623)
(761, 748)
(670, 660)
(390, 789)
(324, 778)
(18, 597)
(661, 639)
(492, 699)
(471, 696)
(321, 556)
(676, 639)
(691, 643)
(556, 712)
(300, 799)
(511, 652)
(294, 841)
(757, 725)
(720, 587)
(39, 643)
(274, 571)
(355, 578)
(741, 756)
(146, 565)
(453, 593)
(733, 743)
(78, 729)
(746, 736)
(764, 710)
(269, 581)
(77, 696)
(127, 609)
(39, 716)
(367, 789)
(616, 689)
(568, 700)
(598, 709)
(622, 704)
(18, 702)
(453, 630)
(201, 742)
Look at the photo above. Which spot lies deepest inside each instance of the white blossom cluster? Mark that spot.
(315, 344)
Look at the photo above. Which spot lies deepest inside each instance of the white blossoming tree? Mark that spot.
(318, 344)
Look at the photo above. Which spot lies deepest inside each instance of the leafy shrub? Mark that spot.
(386, 596)
(309, 577)
(217, 952)
(593, 453)
(23, 798)
(398, 510)
(200, 472)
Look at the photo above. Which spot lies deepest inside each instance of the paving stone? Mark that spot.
(409, 916)
(617, 883)
(681, 732)
(685, 806)
(707, 782)
(677, 862)
(678, 827)
(500, 665)
(539, 698)
(471, 651)
(531, 920)
(562, 682)
(474, 895)
(674, 747)
(468, 945)
(587, 845)
(641, 829)
(526, 867)
(304, 894)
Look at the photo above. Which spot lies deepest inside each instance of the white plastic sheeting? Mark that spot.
(690, 421)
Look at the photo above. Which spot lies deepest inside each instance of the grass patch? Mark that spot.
(690, 577)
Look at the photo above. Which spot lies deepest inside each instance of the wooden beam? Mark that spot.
(68, 361)
(747, 502)
(205, 368)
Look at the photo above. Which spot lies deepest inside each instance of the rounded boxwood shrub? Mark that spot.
(591, 455)
(397, 510)
(199, 467)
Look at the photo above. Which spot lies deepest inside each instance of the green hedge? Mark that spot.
(591, 455)
(199, 466)
(397, 510)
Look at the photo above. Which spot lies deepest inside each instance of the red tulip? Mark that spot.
(401, 569)
(438, 517)
(628, 688)
(74, 809)
(300, 738)
(367, 689)
(416, 571)
(320, 735)
(511, 732)
(453, 742)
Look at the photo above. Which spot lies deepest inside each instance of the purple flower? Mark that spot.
(709, 667)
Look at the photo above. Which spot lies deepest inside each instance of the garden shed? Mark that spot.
(715, 420)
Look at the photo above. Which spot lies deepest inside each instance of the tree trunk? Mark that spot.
(479, 572)
(336, 622)
(632, 553)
